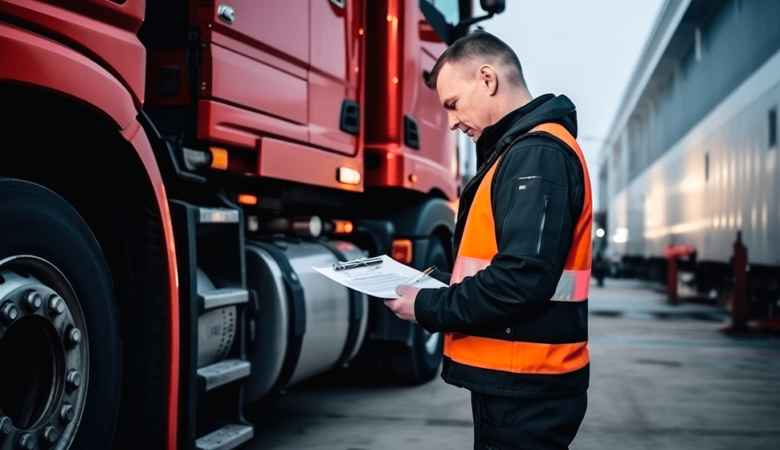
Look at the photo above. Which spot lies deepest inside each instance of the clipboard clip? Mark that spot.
(362, 262)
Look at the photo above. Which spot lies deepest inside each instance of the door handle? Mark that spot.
(226, 14)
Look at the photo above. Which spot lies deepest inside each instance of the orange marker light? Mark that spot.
(247, 199)
(360, 32)
(342, 227)
(219, 158)
(402, 250)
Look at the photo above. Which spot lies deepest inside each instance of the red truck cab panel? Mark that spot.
(267, 84)
(33, 60)
(104, 31)
(335, 71)
(434, 165)
(395, 93)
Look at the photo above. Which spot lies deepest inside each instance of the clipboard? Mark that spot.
(377, 277)
(355, 263)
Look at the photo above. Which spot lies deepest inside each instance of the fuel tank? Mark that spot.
(301, 323)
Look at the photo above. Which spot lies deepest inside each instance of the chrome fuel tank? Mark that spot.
(301, 323)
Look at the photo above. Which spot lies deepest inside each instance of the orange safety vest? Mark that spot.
(478, 246)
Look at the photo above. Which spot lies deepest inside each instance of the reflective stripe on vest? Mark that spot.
(517, 357)
(477, 248)
(573, 286)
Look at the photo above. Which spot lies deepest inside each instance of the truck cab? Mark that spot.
(171, 172)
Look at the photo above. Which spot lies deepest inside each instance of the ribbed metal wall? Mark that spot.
(735, 38)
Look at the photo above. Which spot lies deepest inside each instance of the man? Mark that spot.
(514, 317)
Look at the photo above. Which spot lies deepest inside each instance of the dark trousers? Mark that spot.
(506, 423)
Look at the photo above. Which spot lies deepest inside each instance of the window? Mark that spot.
(773, 128)
(449, 9)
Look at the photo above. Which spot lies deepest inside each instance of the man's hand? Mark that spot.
(404, 307)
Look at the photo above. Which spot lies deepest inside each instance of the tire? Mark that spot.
(48, 249)
(419, 363)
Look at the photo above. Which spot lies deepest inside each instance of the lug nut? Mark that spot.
(5, 426)
(26, 441)
(74, 379)
(50, 434)
(32, 301)
(8, 313)
(67, 413)
(74, 337)
(56, 305)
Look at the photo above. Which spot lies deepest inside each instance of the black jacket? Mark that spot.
(522, 277)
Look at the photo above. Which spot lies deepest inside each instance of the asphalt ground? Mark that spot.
(662, 377)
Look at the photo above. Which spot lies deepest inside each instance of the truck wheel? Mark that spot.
(419, 363)
(60, 349)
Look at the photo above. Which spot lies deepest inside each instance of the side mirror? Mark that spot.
(493, 6)
(450, 33)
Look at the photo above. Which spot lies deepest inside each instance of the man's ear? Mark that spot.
(488, 79)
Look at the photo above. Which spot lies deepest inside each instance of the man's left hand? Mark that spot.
(403, 307)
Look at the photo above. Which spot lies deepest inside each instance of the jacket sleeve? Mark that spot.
(535, 200)
(444, 277)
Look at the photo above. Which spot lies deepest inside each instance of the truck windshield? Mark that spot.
(449, 9)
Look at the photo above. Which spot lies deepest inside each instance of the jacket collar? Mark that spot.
(543, 109)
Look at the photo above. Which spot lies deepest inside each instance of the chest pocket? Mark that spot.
(532, 224)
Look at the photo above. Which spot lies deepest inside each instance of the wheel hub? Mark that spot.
(43, 355)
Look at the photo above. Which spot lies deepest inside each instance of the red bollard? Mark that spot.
(739, 297)
(671, 253)
(671, 279)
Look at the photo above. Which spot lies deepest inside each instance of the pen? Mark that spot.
(425, 273)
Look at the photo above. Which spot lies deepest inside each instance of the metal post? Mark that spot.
(671, 278)
(739, 297)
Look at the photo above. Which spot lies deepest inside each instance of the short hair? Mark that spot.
(479, 46)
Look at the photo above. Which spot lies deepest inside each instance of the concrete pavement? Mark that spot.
(662, 377)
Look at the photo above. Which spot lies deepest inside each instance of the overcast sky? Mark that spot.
(585, 49)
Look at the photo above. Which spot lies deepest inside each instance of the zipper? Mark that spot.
(534, 177)
(541, 226)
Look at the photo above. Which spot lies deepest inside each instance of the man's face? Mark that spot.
(465, 98)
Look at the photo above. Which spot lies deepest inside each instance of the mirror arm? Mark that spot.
(463, 26)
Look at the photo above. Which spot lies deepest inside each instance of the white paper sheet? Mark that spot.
(379, 280)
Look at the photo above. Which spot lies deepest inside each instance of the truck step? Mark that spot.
(221, 373)
(218, 215)
(226, 438)
(223, 297)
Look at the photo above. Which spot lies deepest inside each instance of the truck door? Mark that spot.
(431, 160)
(437, 142)
(279, 70)
(254, 76)
(334, 73)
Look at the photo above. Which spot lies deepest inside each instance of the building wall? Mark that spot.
(735, 38)
(695, 162)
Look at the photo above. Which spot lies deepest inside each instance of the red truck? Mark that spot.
(170, 171)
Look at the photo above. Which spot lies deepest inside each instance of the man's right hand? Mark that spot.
(403, 307)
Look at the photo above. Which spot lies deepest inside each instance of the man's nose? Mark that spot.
(453, 121)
